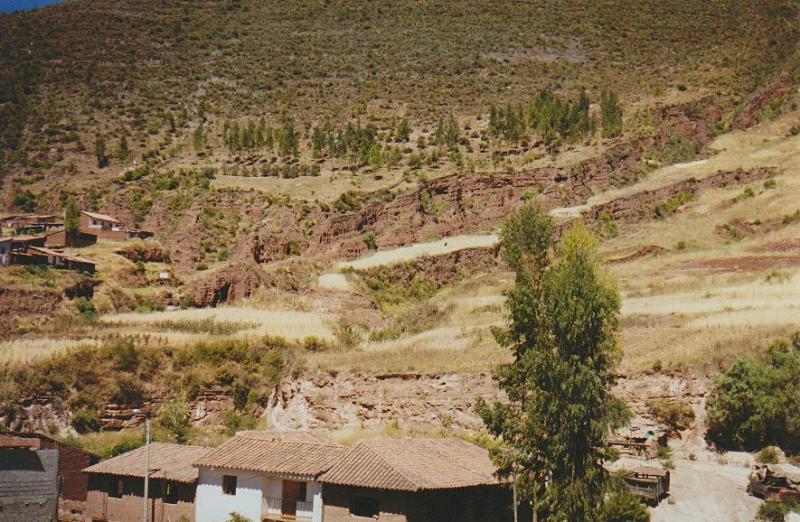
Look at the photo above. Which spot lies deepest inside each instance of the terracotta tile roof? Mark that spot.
(413, 465)
(101, 217)
(290, 453)
(167, 461)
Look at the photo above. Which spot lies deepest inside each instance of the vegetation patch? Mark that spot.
(755, 403)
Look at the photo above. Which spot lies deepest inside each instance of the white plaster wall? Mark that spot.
(314, 494)
(211, 505)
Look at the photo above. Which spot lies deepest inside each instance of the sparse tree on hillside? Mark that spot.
(123, 153)
(100, 151)
(287, 138)
(403, 131)
(611, 112)
(198, 139)
(563, 320)
(72, 216)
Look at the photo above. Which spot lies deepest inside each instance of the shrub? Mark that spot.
(755, 403)
(348, 336)
(125, 446)
(235, 421)
(85, 421)
(672, 205)
(173, 416)
(772, 511)
(86, 308)
(622, 506)
(675, 414)
(369, 240)
(768, 455)
(747, 193)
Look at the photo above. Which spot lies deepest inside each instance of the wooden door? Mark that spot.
(289, 498)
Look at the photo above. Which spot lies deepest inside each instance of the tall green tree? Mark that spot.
(563, 321)
(72, 215)
(100, 151)
(123, 153)
(611, 113)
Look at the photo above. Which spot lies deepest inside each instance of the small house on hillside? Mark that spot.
(108, 227)
(11, 246)
(63, 239)
(415, 480)
(116, 485)
(28, 481)
(30, 250)
(31, 223)
(265, 476)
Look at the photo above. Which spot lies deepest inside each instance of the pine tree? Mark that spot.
(563, 319)
(123, 153)
(611, 114)
(100, 151)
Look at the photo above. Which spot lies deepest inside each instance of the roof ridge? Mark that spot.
(253, 435)
(379, 456)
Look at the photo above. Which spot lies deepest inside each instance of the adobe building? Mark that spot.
(116, 485)
(28, 481)
(31, 222)
(12, 246)
(268, 476)
(73, 483)
(108, 227)
(415, 480)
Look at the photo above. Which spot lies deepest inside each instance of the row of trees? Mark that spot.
(283, 139)
(554, 118)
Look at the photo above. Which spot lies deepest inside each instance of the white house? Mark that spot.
(264, 476)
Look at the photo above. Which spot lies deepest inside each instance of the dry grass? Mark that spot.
(288, 324)
(26, 350)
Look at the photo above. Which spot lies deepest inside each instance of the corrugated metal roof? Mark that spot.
(413, 465)
(290, 453)
(56, 253)
(167, 461)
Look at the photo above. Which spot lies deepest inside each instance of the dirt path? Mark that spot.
(435, 248)
(707, 491)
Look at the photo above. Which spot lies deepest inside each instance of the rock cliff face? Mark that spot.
(49, 414)
(321, 401)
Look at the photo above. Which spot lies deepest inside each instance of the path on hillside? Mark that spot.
(335, 280)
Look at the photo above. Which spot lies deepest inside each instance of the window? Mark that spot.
(229, 484)
(116, 488)
(170, 493)
(302, 492)
(364, 507)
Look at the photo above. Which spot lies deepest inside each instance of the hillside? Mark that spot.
(169, 76)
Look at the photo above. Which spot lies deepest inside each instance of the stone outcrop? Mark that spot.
(319, 400)
(639, 206)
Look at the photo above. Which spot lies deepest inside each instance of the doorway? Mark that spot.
(289, 498)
